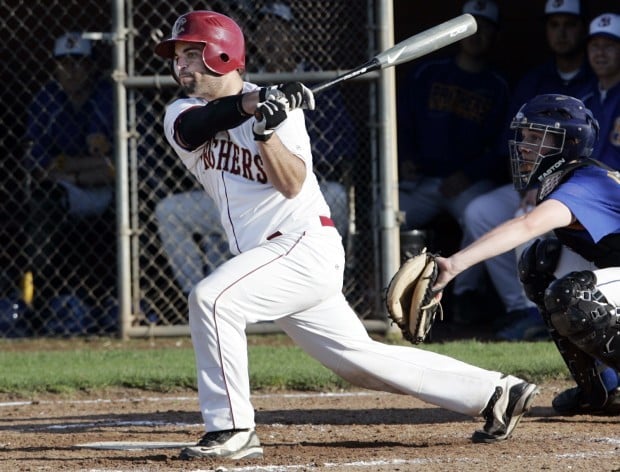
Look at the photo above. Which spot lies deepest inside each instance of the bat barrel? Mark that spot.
(429, 41)
(418, 45)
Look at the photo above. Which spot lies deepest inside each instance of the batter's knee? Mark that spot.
(201, 299)
(582, 314)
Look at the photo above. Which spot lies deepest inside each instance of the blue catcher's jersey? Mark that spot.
(593, 195)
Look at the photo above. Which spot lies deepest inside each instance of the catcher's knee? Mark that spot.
(581, 313)
(536, 267)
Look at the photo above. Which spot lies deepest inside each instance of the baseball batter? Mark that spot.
(249, 148)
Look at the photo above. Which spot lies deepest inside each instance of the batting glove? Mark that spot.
(298, 95)
(272, 93)
(268, 116)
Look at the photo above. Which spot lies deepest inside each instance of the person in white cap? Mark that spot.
(604, 98)
(70, 128)
(566, 72)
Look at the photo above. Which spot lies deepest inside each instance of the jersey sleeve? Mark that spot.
(294, 136)
(593, 196)
(189, 158)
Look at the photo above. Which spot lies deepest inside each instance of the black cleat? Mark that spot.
(505, 409)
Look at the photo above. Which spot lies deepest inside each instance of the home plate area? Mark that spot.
(130, 430)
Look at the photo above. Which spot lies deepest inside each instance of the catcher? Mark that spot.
(574, 278)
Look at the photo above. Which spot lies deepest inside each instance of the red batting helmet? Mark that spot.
(224, 49)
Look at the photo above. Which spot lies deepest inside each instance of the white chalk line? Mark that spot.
(159, 399)
(115, 423)
(357, 465)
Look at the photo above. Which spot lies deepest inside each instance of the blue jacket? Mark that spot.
(449, 120)
(55, 127)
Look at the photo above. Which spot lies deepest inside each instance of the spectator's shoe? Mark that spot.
(229, 444)
(505, 409)
(530, 327)
(571, 402)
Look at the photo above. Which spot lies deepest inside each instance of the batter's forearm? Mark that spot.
(197, 125)
(286, 171)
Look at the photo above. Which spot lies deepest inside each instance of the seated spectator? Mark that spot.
(189, 224)
(566, 72)
(71, 179)
(462, 97)
(604, 95)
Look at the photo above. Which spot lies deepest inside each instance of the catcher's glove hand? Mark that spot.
(411, 302)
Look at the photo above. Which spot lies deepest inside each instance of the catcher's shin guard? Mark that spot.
(585, 330)
(581, 313)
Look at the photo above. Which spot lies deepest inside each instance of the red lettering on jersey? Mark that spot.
(234, 159)
(246, 163)
(207, 157)
(235, 168)
(224, 155)
(261, 176)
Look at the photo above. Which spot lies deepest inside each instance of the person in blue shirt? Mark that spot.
(604, 96)
(71, 175)
(450, 117)
(567, 72)
(573, 277)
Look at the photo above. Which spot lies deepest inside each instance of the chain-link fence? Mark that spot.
(60, 187)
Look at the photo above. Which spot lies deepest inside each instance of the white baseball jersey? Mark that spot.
(231, 170)
(288, 269)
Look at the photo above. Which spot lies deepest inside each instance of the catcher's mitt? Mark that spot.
(411, 302)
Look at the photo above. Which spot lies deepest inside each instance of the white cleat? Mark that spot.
(229, 444)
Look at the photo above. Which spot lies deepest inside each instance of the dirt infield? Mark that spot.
(348, 431)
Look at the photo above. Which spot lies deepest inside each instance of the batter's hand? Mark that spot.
(268, 116)
(298, 95)
(273, 93)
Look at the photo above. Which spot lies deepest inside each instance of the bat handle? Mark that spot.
(369, 66)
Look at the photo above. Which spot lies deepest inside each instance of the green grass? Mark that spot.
(67, 366)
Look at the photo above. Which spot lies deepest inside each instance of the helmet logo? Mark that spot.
(551, 169)
(557, 3)
(179, 26)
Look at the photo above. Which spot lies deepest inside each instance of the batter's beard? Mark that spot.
(190, 88)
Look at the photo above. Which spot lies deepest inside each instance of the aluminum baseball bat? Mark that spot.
(415, 46)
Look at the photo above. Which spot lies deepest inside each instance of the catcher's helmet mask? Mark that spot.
(567, 132)
(224, 45)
